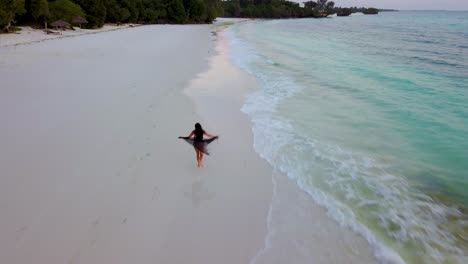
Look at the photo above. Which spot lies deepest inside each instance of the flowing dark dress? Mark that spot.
(198, 142)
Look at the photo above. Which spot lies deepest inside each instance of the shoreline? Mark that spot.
(221, 92)
(241, 175)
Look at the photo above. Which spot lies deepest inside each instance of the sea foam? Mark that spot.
(354, 183)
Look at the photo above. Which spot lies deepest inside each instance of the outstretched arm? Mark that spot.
(189, 136)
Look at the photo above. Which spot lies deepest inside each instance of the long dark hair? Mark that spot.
(198, 130)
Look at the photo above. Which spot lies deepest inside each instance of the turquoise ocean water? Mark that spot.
(369, 115)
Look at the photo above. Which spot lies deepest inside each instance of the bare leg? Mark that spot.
(201, 159)
(198, 157)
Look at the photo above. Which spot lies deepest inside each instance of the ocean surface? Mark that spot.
(369, 115)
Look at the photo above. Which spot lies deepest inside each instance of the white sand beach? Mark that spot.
(92, 170)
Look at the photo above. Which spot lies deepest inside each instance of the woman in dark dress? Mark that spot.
(199, 143)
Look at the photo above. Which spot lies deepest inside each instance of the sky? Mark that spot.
(407, 4)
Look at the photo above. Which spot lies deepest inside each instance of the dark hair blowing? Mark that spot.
(198, 130)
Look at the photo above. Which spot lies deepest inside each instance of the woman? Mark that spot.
(199, 143)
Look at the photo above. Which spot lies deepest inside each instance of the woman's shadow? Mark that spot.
(198, 193)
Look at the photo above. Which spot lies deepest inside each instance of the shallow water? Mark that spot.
(369, 115)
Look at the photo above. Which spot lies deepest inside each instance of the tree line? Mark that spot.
(350, 10)
(98, 12)
(287, 9)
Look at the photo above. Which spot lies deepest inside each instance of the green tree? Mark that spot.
(370, 11)
(324, 8)
(95, 12)
(64, 10)
(197, 10)
(134, 7)
(176, 11)
(35, 11)
(330, 8)
(39, 10)
(344, 11)
(214, 9)
(8, 10)
(152, 10)
(115, 12)
(310, 4)
(149, 15)
(232, 8)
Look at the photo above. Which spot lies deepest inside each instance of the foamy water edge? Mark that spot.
(335, 210)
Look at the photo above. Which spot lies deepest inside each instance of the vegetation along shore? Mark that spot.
(94, 13)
